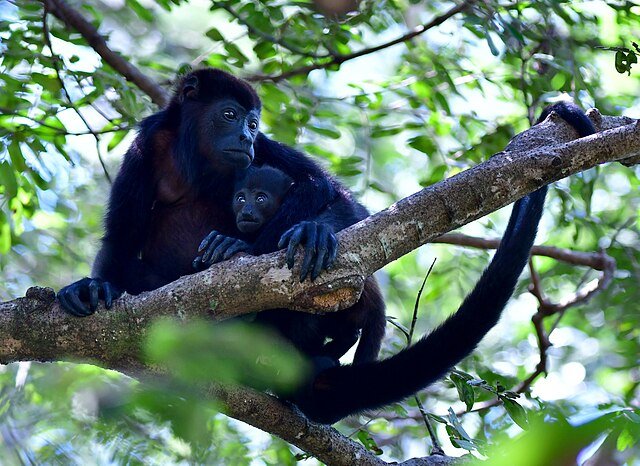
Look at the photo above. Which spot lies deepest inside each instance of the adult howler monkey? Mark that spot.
(259, 193)
(175, 185)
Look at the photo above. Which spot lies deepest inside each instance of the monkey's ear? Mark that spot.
(189, 88)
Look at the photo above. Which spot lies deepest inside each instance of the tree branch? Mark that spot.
(594, 260)
(72, 19)
(333, 60)
(364, 248)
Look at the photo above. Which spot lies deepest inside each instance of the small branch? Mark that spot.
(72, 19)
(334, 60)
(436, 448)
(594, 260)
(416, 306)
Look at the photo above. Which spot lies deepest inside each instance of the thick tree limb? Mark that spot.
(72, 19)
(36, 329)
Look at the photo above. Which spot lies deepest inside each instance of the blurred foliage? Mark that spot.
(386, 123)
(201, 352)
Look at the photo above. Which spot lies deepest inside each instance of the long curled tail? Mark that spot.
(340, 391)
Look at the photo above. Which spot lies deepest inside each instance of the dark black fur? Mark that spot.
(169, 195)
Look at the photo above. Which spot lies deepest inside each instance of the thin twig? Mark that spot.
(436, 447)
(55, 60)
(416, 306)
(41, 122)
(545, 309)
(268, 37)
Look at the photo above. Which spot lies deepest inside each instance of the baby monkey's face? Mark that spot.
(253, 208)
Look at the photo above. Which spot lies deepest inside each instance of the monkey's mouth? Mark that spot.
(248, 226)
(239, 157)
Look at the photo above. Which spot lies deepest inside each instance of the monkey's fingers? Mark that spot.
(110, 294)
(197, 263)
(332, 246)
(294, 237)
(329, 247)
(207, 239)
(62, 299)
(322, 248)
(211, 248)
(76, 306)
(310, 249)
(220, 250)
(285, 239)
(235, 248)
(94, 294)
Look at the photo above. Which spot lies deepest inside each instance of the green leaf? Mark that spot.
(143, 12)
(368, 442)
(5, 234)
(621, 65)
(215, 35)
(516, 412)
(17, 159)
(264, 50)
(380, 132)
(494, 50)
(330, 133)
(116, 139)
(465, 391)
(200, 352)
(8, 180)
(423, 143)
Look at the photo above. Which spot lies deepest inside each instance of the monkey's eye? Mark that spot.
(230, 114)
(240, 198)
(261, 198)
(253, 125)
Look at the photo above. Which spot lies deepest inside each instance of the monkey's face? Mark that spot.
(253, 208)
(227, 132)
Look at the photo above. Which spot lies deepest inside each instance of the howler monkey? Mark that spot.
(259, 192)
(173, 189)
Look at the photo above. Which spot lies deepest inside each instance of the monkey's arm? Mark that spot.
(117, 267)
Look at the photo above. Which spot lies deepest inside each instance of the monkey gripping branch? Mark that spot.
(35, 328)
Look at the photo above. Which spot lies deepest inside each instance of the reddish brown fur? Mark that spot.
(179, 218)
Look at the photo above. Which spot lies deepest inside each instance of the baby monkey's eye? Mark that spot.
(240, 198)
(229, 114)
(261, 198)
(253, 125)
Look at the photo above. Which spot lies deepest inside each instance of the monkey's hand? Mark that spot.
(217, 247)
(320, 247)
(74, 298)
